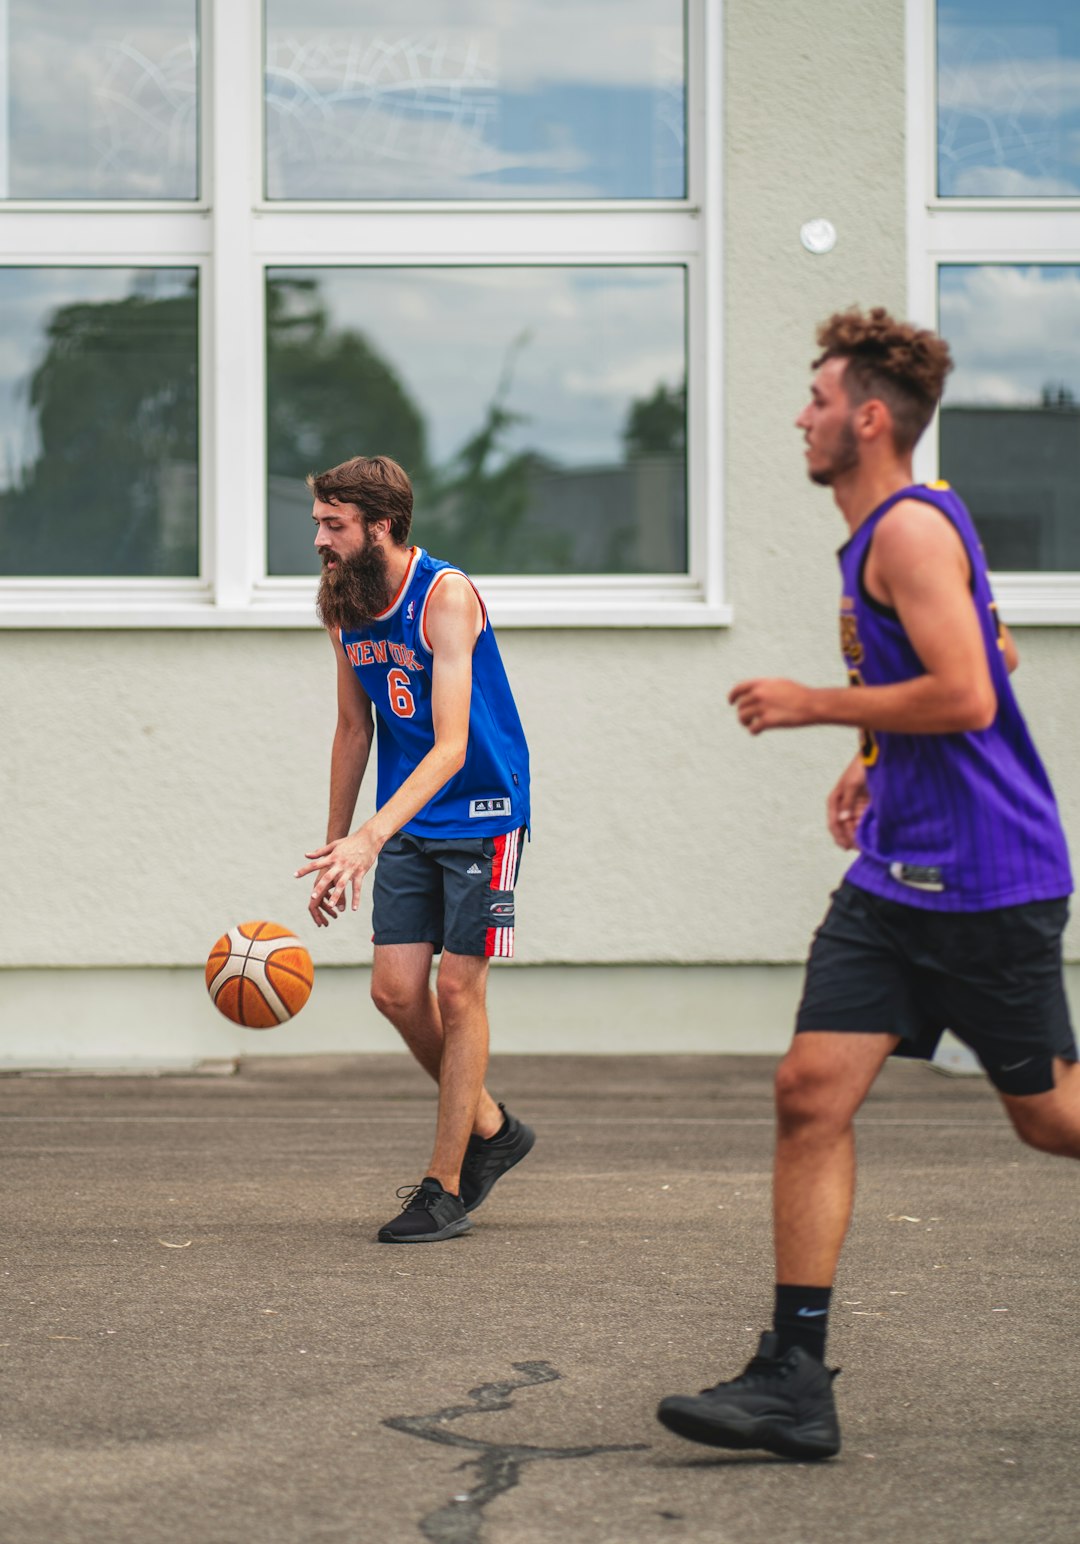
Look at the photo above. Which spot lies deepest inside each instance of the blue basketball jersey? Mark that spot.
(392, 658)
(956, 822)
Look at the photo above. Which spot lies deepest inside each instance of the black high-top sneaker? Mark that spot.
(783, 1404)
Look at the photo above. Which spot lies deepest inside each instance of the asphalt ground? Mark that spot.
(203, 1342)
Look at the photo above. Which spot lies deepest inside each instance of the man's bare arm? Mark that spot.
(349, 757)
(921, 566)
(352, 745)
(453, 625)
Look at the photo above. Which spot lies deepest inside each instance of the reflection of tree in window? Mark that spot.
(114, 488)
(1057, 394)
(527, 513)
(483, 497)
(331, 396)
(656, 425)
(493, 505)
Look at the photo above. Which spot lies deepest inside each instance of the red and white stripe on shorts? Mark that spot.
(500, 940)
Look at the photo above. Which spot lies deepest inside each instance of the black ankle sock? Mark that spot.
(801, 1318)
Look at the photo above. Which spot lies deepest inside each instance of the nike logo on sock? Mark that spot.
(811, 1313)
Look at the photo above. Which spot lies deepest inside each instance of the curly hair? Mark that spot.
(379, 488)
(901, 365)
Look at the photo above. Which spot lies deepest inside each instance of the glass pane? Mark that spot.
(1010, 424)
(475, 99)
(101, 99)
(98, 422)
(1008, 98)
(541, 412)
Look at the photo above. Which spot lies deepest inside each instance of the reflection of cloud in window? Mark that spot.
(438, 155)
(1033, 88)
(625, 378)
(536, 40)
(464, 105)
(1008, 98)
(102, 105)
(1012, 330)
(598, 338)
(1003, 182)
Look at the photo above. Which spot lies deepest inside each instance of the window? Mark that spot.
(1007, 100)
(560, 449)
(1010, 426)
(478, 237)
(535, 99)
(994, 212)
(101, 101)
(99, 421)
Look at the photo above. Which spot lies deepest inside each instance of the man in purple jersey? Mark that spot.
(415, 652)
(952, 913)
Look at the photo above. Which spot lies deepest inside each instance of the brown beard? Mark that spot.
(845, 459)
(353, 593)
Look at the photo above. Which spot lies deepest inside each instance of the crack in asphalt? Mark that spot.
(498, 1464)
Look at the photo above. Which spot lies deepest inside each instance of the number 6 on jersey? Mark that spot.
(401, 698)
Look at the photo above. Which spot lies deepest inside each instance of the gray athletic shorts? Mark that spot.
(454, 894)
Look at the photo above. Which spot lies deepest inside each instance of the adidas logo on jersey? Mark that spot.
(473, 869)
(488, 807)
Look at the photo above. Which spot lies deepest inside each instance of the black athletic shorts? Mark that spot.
(993, 977)
(453, 894)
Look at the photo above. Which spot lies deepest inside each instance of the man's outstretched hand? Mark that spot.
(338, 865)
(771, 704)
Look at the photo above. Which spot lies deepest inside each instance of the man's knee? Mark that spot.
(1050, 1122)
(396, 997)
(798, 1095)
(1047, 1132)
(461, 985)
(1034, 1134)
(810, 1093)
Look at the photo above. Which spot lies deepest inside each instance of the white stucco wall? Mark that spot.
(157, 787)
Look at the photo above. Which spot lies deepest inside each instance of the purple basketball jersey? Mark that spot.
(956, 822)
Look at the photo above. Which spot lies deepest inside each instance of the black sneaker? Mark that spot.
(429, 1214)
(781, 1403)
(488, 1158)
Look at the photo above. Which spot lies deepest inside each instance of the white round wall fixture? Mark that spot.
(818, 236)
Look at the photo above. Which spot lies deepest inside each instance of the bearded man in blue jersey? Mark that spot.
(952, 913)
(415, 654)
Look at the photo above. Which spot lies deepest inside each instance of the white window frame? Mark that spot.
(233, 234)
(943, 231)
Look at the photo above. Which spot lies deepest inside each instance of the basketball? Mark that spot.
(259, 974)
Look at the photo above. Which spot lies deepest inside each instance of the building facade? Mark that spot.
(565, 263)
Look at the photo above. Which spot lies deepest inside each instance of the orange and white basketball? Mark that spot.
(259, 974)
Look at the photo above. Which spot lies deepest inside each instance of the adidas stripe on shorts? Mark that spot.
(454, 894)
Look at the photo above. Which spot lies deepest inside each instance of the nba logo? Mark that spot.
(409, 611)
